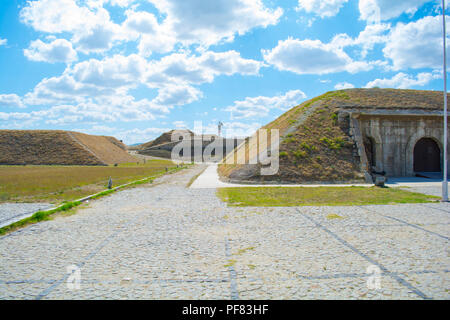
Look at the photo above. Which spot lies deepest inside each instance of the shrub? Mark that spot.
(4, 196)
(299, 154)
(317, 166)
(335, 144)
(289, 140)
(307, 147)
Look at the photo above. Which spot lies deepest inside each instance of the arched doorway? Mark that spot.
(427, 156)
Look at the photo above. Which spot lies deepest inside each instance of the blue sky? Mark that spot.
(136, 68)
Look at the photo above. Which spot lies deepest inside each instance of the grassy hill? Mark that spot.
(57, 147)
(315, 146)
(166, 137)
(109, 150)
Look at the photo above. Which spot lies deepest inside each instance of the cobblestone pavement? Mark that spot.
(431, 190)
(10, 212)
(166, 241)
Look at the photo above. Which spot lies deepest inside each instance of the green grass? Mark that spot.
(230, 263)
(332, 216)
(242, 251)
(39, 216)
(318, 196)
(67, 183)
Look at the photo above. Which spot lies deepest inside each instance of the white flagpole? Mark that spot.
(444, 181)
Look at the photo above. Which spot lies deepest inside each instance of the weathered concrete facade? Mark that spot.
(388, 141)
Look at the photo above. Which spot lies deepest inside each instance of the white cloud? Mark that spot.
(99, 38)
(343, 85)
(114, 72)
(260, 106)
(101, 110)
(14, 116)
(56, 16)
(180, 124)
(311, 57)
(367, 39)
(105, 102)
(187, 22)
(173, 77)
(404, 81)
(322, 8)
(121, 3)
(63, 89)
(181, 67)
(416, 44)
(141, 22)
(59, 50)
(155, 43)
(96, 90)
(176, 95)
(377, 10)
(11, 100)
(153, 37)
(238, 129)
(210, 22)
(3, 42)
(131, 136)
(140, 135)
(230, 129)
(176, 69)
(91, 26)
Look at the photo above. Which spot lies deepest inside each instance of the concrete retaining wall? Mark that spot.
(395, 137)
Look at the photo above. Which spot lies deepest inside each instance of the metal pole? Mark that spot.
(444, 180)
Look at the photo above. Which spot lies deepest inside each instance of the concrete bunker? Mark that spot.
(399, 145)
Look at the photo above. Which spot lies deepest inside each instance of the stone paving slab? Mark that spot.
(433, 284)
(166, 241)
(11, 212)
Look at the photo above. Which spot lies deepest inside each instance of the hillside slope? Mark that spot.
(166, 137)
(58, 147)
(315, 144)
(108, 149)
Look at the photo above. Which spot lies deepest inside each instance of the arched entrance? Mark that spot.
(427, 156)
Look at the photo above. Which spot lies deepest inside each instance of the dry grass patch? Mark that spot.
(67, 183)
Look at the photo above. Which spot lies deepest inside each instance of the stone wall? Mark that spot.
(395, 137)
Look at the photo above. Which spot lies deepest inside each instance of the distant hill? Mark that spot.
(58, 147)
(316, 145)
(163, 145)
(166, 137)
